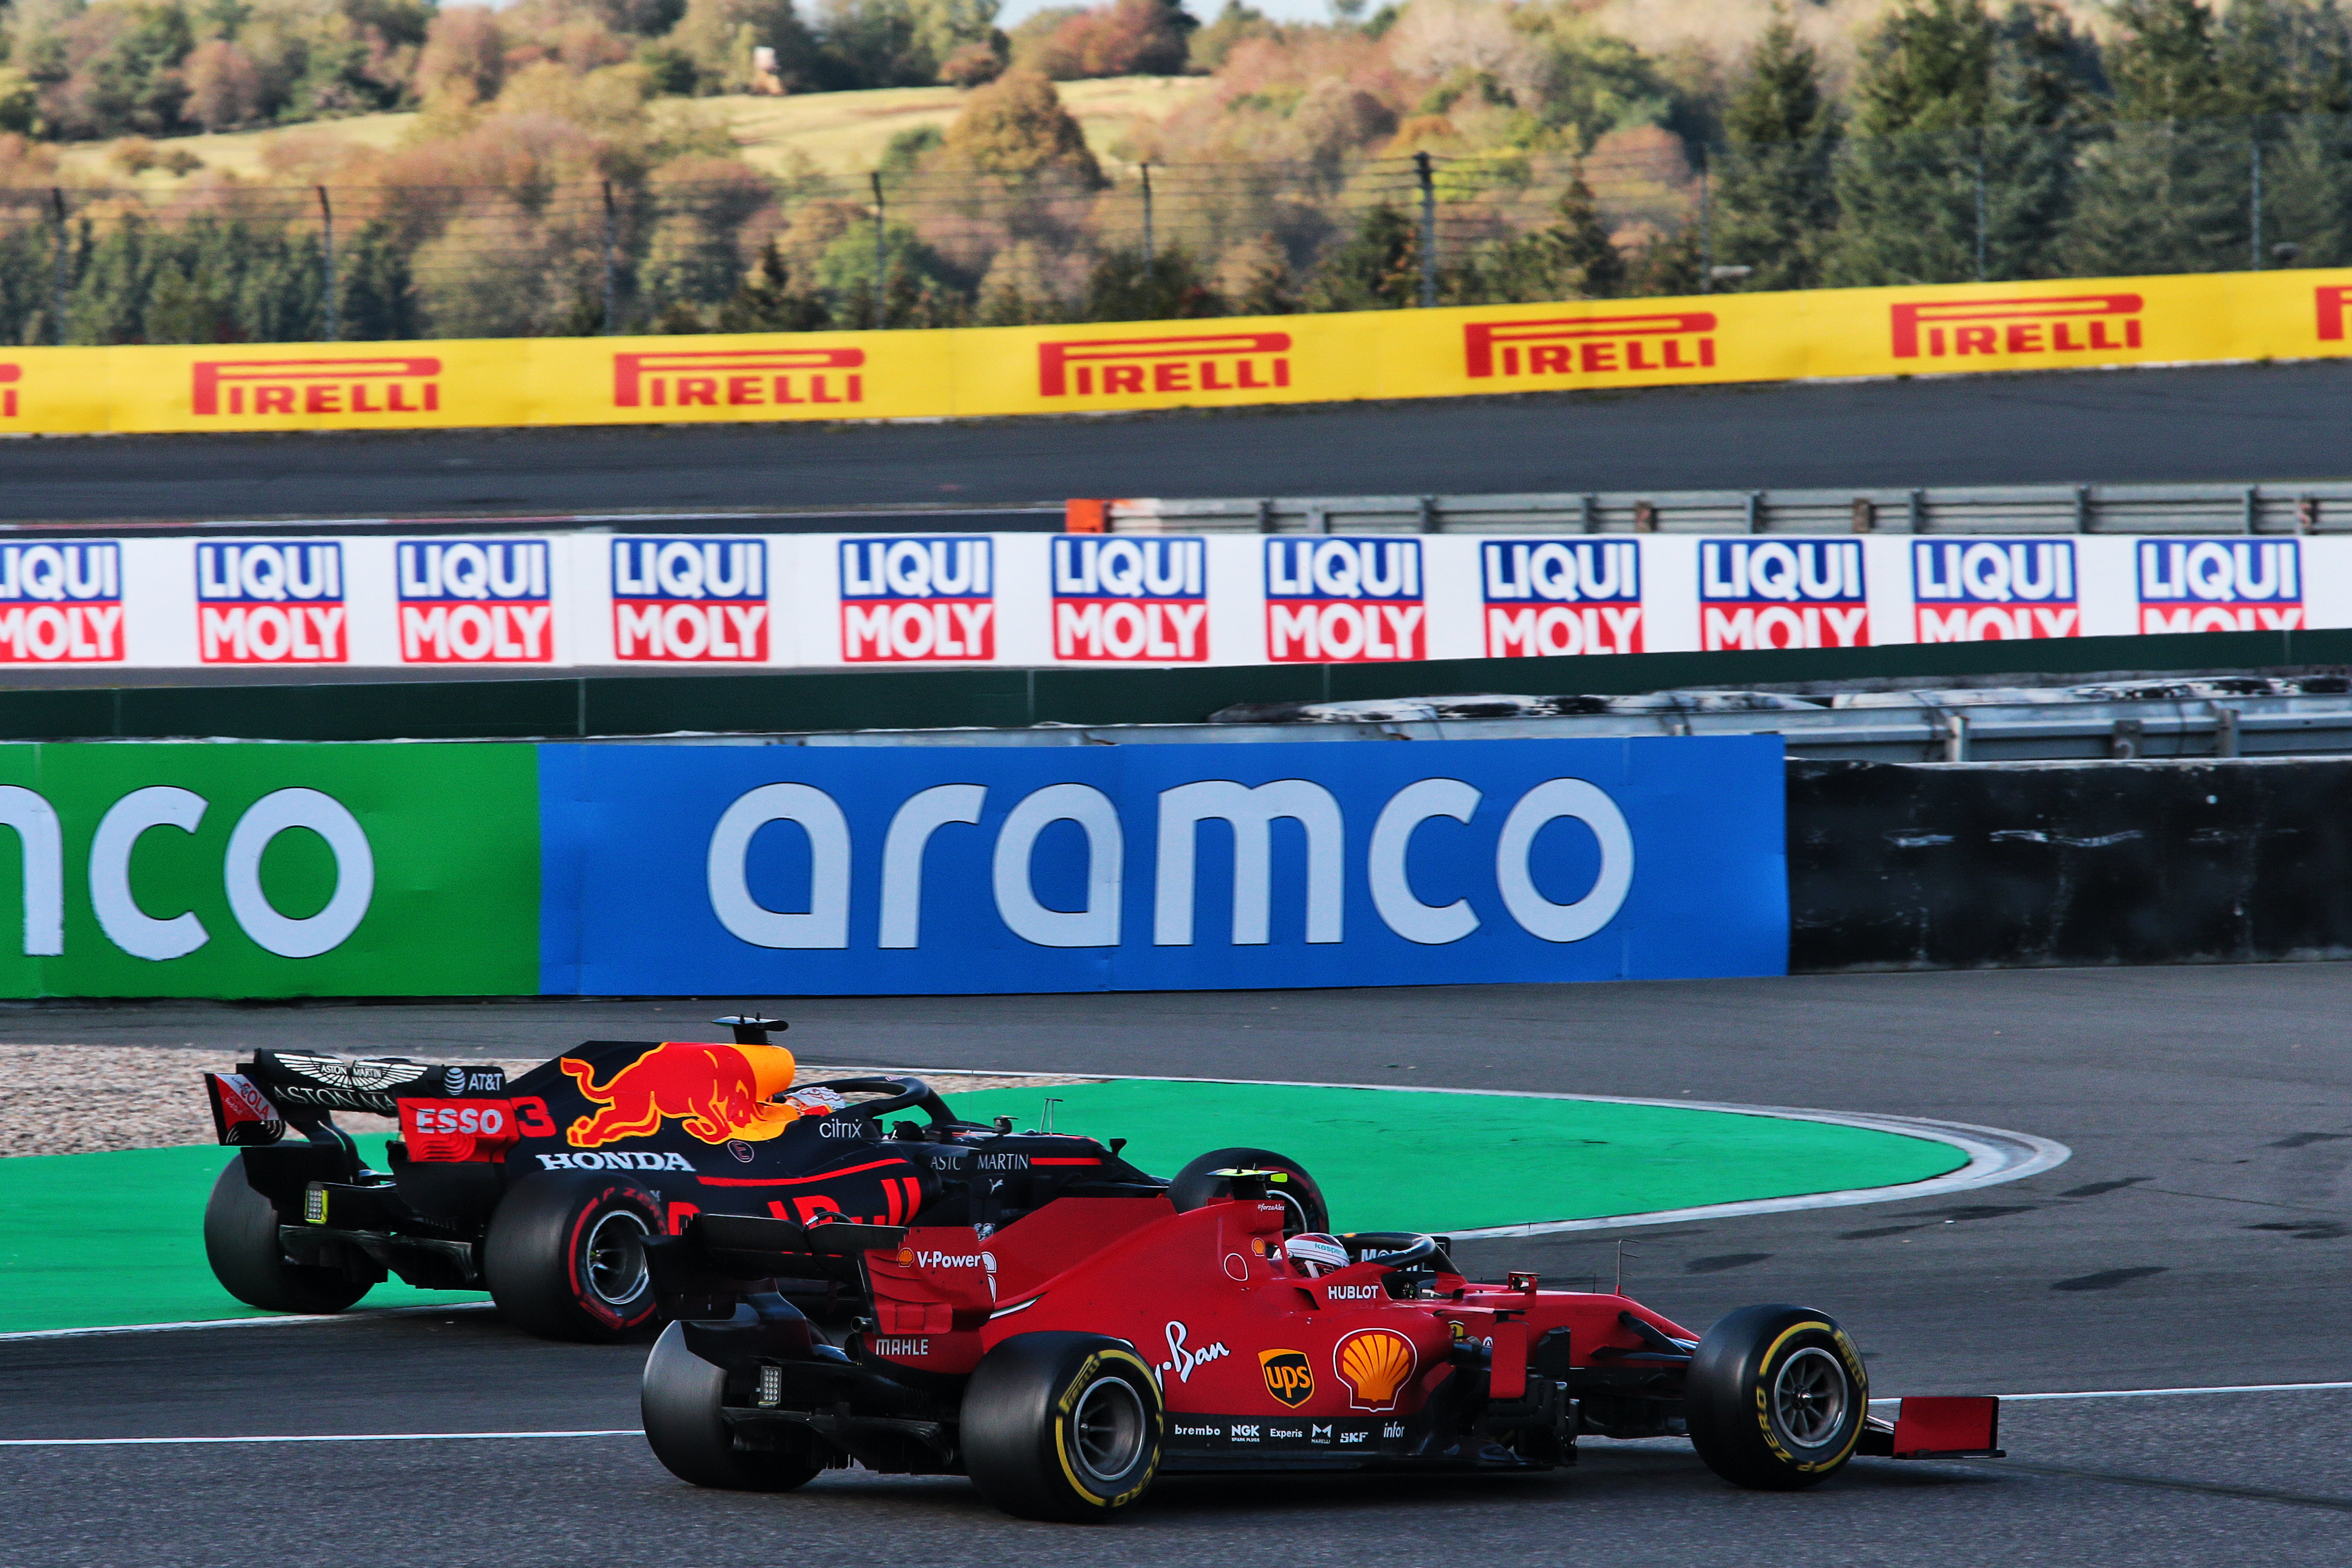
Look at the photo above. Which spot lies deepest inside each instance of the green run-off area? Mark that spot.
(94, 1239)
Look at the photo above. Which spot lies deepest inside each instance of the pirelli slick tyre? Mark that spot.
(1063, 1427)
(565, 1255)
(1775, 1398)
(241, 1243)
(681, 1398)
(1197, 1184)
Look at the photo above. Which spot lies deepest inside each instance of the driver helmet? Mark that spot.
(1315, 1253)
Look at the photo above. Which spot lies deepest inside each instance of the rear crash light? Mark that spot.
(314, 1204)
(458, 1130)
(242, 1114)
(771, 1384)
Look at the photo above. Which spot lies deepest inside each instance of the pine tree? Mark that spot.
(1573, 259)
(1775, 209)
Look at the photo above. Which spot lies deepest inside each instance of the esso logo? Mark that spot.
(487, 1120)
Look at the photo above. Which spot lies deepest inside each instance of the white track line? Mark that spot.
(332, 1437)
(1995, 1155)
(358, 1315)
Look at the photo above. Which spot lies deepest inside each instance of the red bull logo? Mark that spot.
(2072, 323)
(1202, 362)
(752, 378)
(714, 1092)
(1589, 345)
(389, 383)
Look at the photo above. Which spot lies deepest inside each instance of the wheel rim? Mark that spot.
(1809, 1397)
(1296, 1220)
(1107, 1430)
(616, 1258)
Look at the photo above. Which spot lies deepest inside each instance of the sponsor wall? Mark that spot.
(259, 871)
(814, 601)
(2291, 314)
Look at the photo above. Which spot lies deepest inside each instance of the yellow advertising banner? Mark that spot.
(1141, 365)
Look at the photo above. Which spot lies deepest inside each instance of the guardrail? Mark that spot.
(2273, 507)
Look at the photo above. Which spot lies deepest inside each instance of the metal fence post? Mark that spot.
(1981, 224)
(57, 304)
(2254, 201)
(327, 264)
(1147, 217)
(1705, 230)
(1428, 229)
(612, 274)
(881, 259)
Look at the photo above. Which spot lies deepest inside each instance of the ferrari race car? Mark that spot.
(1065, 1360)
(547, 1190)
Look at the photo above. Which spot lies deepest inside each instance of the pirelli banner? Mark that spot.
(574, 601)
(2294, 314)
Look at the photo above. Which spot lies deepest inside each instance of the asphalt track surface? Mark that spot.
(2196, 1239)
(2219, 424)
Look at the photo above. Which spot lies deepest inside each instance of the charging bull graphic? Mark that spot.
(721, 1092)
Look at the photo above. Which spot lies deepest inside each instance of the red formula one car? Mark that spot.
(1208, 1341)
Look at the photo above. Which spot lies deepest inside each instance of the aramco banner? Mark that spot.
(579, 600)
(394, 869)
(1590, 343)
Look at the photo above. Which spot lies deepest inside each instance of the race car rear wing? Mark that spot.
(718, 1258)
(256, 1104)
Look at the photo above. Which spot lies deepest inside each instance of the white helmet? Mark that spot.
(1315, 1253)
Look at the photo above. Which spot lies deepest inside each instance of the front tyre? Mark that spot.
(1061, 1426)
(565, 1255)
(1197, 1185)
(681, 1397)
(241, 1243)
(1775, 1398)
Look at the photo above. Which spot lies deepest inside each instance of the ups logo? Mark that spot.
(1289, 1377)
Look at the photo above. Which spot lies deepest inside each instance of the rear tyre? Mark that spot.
(1061, 1426)
(681, 1397)
(241, 1243)
(1195, 1186)
(1775, 1398)
(565, 1257)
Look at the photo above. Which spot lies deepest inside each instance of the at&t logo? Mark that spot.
(270, 604)
(1989, 591)
(75, 610)
(1782, 593)
(1344, 601)
(1558, 597)
(2220, 586)
(1144, 600)
(691, 601)
(909, 600)
(472, 601)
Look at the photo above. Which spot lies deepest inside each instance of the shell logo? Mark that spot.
(1374, 1363)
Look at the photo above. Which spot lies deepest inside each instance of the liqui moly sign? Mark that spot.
(761, 378)
(270, 604)
(2220, 586)
(1782, 593)
(1560, 596)
(1125, 599)
(2072, 323)
(1588, 344)
(384, 383)
(1987, 591)
(910, 601)
(1344, 601)
(1180, 363)
(691, 601)
(61, 603)
(475, 602)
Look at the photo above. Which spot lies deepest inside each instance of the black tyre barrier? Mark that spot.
(2008, 865)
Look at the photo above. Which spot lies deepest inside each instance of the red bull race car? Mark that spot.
(547, 1189)
(1065, 1360)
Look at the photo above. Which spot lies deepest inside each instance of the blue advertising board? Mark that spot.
(773, 870)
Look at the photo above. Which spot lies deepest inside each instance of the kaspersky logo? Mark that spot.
(385, 384)
(1589, 345)
(2070, 323)
(756, 378)
(1203, 362)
